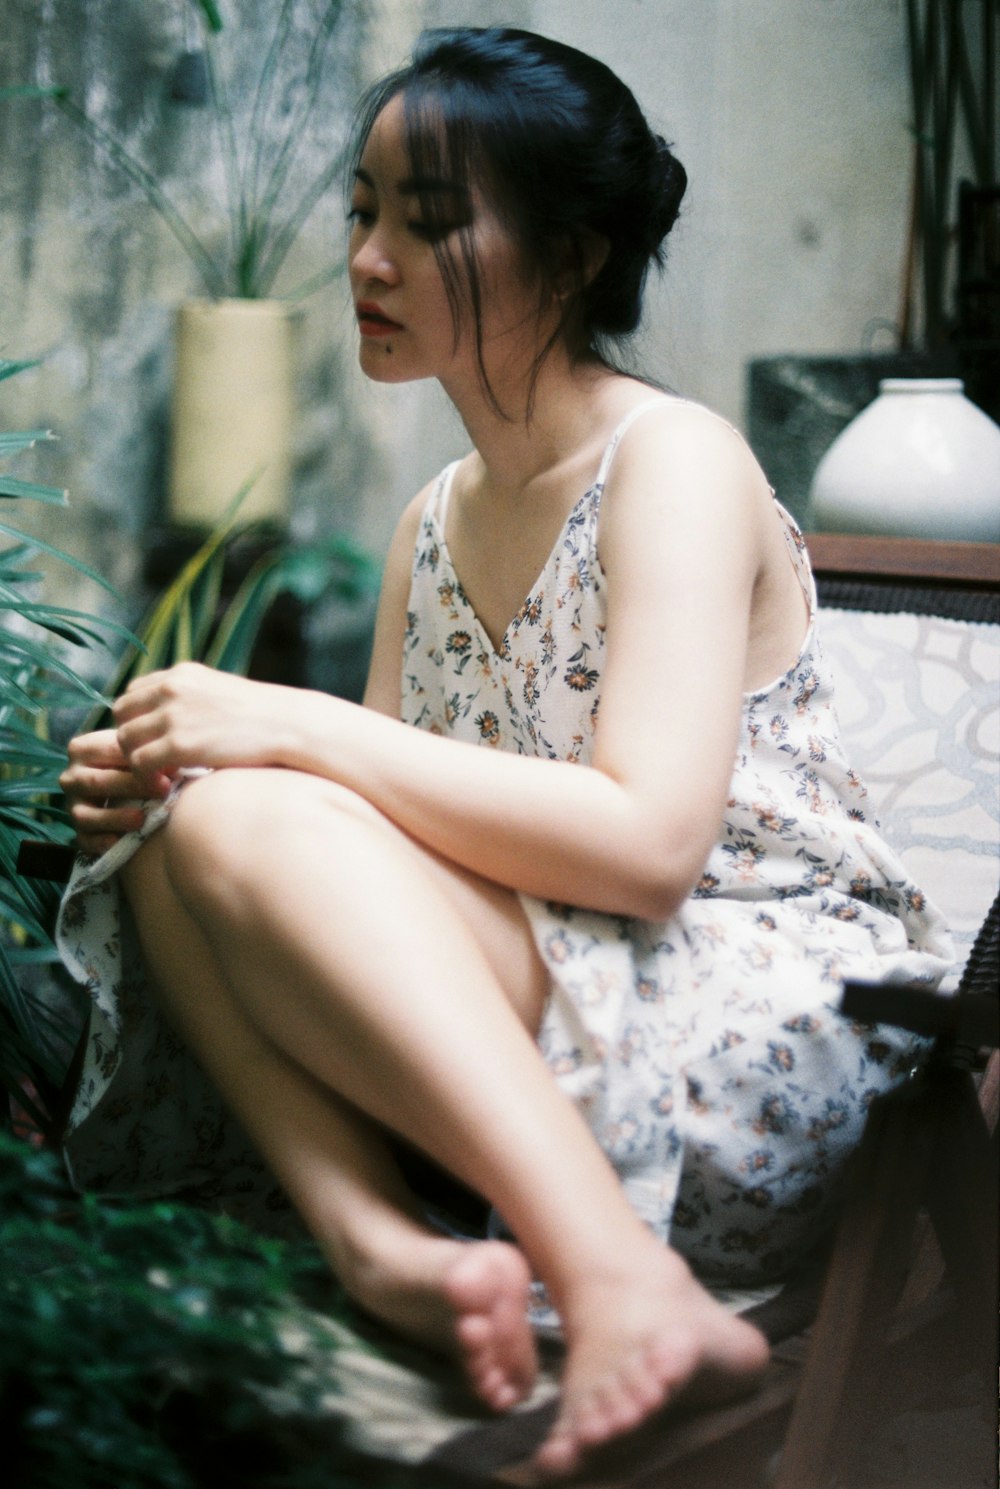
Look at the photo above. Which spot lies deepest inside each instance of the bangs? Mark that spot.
(440, 144)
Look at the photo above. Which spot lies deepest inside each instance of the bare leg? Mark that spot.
(343, 948)
(336, 1166)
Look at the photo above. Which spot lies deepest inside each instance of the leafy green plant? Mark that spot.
(187, 622)
(210, 11)
(265, 210)
(116, 1322)
(157, 1346)
(35, 680)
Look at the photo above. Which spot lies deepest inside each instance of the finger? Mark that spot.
(158, 686)
(110, 785)
(96, 844)
(98, 748)
(132, 705)
(143, 743)
(90, 820)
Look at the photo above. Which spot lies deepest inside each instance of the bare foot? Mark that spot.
(488, 1289)
(465, 1298)
(636, 1341)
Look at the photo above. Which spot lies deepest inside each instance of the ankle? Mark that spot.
(596, 1289)
(367, 1250)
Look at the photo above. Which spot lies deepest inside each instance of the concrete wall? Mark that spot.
(790, 116)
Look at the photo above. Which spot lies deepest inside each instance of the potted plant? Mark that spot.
(234, 343)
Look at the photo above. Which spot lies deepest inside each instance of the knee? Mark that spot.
(231, 830)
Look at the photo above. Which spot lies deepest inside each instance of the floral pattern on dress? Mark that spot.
(705, 1051)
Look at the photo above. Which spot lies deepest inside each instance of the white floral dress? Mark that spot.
(705, 1050)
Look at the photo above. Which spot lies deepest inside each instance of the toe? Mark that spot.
(558, 1455)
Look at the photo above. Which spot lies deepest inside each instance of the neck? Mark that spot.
(526, 445)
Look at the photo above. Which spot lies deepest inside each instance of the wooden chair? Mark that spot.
(911, 1287)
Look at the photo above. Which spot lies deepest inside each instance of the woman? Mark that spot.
(551, 935)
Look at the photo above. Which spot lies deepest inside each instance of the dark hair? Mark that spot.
(567, 158)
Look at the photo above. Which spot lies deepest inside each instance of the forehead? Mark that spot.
(385, 150)
(409, 153)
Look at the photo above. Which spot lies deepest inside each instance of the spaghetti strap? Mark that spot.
(642, 408)
(442, 491)
(626, 423)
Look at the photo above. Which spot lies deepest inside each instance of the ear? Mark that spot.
(582, 259)
(595, 250)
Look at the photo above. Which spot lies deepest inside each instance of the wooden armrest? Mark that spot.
(968, 1018)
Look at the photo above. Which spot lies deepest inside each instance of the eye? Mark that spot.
(428, 231)
(363, 216)
(435, 227)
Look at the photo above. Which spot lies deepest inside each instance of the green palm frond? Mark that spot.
(187, 622)
(36, 678)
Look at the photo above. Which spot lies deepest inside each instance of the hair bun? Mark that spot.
(668, 183)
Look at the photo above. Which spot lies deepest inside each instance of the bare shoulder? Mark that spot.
(689, 447)
(680, 477)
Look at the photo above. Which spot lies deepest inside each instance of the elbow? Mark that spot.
(655, 887)
(661, 878)
(657, 897)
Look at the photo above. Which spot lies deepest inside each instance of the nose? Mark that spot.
(371, 258)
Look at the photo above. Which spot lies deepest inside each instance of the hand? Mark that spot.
(105, 795)
(190, 715)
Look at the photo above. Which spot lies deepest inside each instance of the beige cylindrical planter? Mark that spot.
(232, 412)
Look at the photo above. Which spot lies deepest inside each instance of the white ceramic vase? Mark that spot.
(232, 411)
(921, 461)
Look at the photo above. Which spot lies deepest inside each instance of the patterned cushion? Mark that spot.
(919, 705)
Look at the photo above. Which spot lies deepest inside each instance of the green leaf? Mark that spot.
(212, 276)
(11, 487)
(9, 368)
(238, 630)
(66, 558)
(78, 626)
(24, 439)
(210, 11)
(30, 90)
(24, 648)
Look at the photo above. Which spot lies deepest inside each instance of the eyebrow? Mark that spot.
(419, 185)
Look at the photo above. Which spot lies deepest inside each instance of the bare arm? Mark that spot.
(629, 834)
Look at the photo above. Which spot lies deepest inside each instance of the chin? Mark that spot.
(386, 369)
(383, 366)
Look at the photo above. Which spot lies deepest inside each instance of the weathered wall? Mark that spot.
(790, 116)
(90, 276)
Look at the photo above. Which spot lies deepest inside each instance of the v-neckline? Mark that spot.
(596, 486)
(502, 651)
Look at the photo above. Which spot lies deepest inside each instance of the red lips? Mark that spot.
(374, 322)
